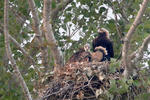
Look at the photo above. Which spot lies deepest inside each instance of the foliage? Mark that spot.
(75, 26)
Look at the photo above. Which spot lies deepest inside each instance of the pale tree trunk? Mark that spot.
(9, 54)
(25, 53)
(48, 16)
(125, 56)
(39, 36)
(49, 34)
(57, 54)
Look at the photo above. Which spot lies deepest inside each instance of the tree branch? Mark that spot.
(116, 21)
(57, 54)
(125, 57)
(36, 21)
(59, 8)
(123, 12)
(137, 55)
(9, 54)
(20, 18)
(18, 45)
(22, 49)
(36, 28)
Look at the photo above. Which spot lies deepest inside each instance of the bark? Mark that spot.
(57, 54)
(36, 21)
(44, 58)
(9, 54)
(21, 48)
(37, 30)
(137, 55)
(125, 57)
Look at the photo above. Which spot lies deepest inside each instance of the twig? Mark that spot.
(75, 31)
(36, 21)
(89, 64)
(22, 19)
(59, 8)
(21, 48)
(137, 55)
(123, 12)
(116, 22)
(62, 89)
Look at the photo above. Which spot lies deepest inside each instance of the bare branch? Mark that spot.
(123, 14)
(18, 45)
(25, 53)
(1, 31)
(9, 54)
(20, 18)
(36, 28)
(59, 8)
(57, 54)
(125, 57)
(137, 55)
(21, 48)
(36, 21)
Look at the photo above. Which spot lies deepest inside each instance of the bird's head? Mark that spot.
(104, 32)
(87, 47)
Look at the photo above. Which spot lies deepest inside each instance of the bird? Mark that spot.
(99, 54)
(82, 55)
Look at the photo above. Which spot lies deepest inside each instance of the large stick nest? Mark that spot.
(79, 81)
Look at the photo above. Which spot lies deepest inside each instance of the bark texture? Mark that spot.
(125, 56)
(57, 54)
(21, 48)
(9, 54)
(137, 55)
(37, 30)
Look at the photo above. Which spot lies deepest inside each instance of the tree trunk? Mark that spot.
(57, 54)
(125, 56)
(9, 54)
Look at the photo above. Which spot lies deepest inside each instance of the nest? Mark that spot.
(79, 81)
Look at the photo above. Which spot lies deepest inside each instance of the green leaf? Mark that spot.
(102, 9)
(113, 87)
(136, 83)
(143, 96)
(53, 4)
(123, 88)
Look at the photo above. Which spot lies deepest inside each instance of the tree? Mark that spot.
(9, 53)
(42, 35)
(126, 59)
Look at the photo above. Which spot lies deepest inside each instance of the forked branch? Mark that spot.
(137, 55)
(125, 56)
(57, 54)
(60, 7)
